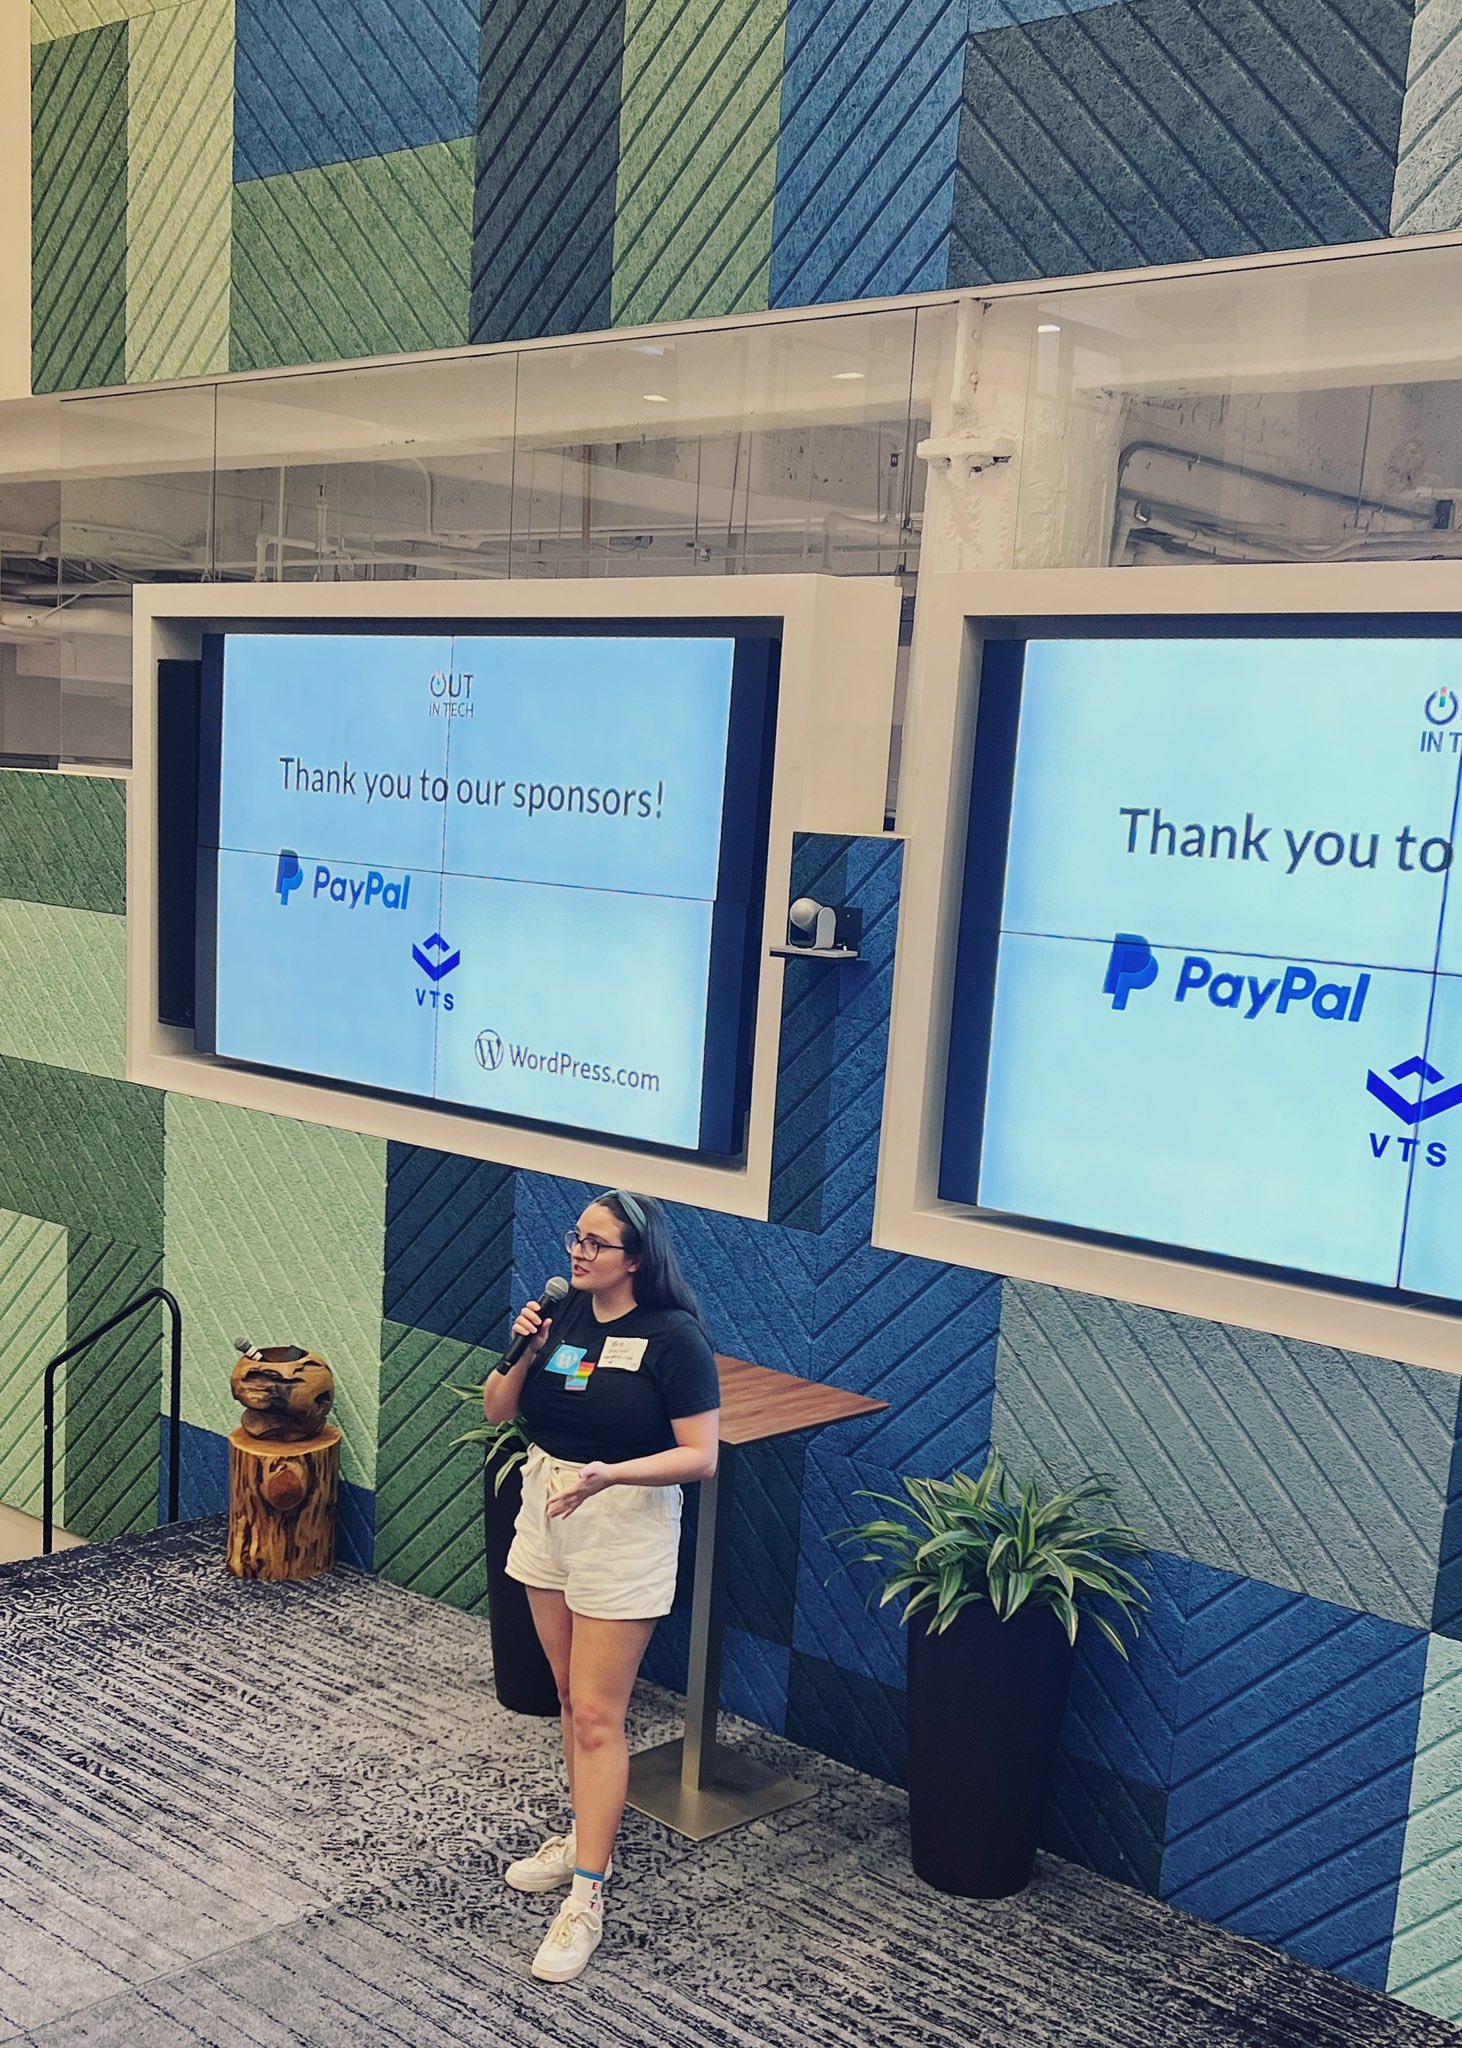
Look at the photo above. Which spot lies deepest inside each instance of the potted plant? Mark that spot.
(522, 1676)
(998, 1581)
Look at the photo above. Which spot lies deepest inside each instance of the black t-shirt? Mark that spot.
(667, 1370)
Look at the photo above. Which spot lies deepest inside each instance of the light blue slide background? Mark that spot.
(326, 699)
(1433, 1259)
(616, 980)
(1321, 734)
(317, 987)
(601, 713)
(1188, 1124)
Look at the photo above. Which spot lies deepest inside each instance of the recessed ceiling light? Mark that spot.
(655, 398)
(1049, 327)
(847, 376)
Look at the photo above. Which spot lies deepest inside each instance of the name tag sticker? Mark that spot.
(565, 1359)
(623, 1354)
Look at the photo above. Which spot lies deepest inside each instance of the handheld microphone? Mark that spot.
(554, 1291)
(249, 1350)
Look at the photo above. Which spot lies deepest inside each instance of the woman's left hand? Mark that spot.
(592, 1479)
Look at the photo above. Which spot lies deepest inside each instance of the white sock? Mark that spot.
(589, 1889)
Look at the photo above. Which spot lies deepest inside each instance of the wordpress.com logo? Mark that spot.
(489, 1050)
(288, 875)
(1132, 965)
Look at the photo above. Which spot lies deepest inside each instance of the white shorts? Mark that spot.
(613, 1559)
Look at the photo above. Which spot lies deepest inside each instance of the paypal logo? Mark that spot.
(360, 892)
(288, 875)
(1133, 965)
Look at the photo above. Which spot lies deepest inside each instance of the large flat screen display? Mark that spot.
(1209, 984)
(520, 873)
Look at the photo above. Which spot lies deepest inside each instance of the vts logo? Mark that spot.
(1421, 1111)
(1132, 964)
(437, 960)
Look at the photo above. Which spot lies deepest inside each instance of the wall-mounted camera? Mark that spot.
(821, 931)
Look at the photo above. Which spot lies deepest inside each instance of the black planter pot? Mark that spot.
(985, 1704)
(522, 1676)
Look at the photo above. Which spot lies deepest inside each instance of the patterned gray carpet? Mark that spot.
(253, 1816)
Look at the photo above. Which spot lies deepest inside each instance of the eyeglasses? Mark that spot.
(587, 1247)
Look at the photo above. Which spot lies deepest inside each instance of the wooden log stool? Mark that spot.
(282, 1503)
(284, 1465)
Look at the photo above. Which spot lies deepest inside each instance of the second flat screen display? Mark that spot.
(1217, 1002)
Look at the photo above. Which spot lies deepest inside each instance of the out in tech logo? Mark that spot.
(288, 875)
(1388, 1144)
(1442, 733)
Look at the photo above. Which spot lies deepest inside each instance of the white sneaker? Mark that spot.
(575, 1934)
(549, 1868)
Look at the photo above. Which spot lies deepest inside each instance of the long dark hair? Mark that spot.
(658, 1280)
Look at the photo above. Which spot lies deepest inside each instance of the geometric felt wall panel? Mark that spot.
(79, 209)
(114, 1389)
(320, 84)
(1428, 193)
(1288, 1790)
(449, 1245)
(52, 18)
(180, 77)
(275, 1231)
(865, 160)
(356, 259)
(428, 1491)
(63, 840)
(698, 158)
(1294, 1463)
(62, 987)
(548, 117)
(82, 1151)
(1426, 1949)
(1163, 131)
(32, 1330)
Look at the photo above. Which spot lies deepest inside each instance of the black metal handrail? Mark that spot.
(175, 1403)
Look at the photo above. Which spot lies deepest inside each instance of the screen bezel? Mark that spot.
(738, 909)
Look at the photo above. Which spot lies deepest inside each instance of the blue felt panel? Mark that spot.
(1107, 1822)
(810, 997)
(203, 1475)
(754, 1677)
(449, 1245)
(919, 1336)
(203, 1491)
(855, 1719)
(836, 1623)
(547, 160)
(865, 163)
(1163, 131)
(761, 1564)
(1447, 1599)
(988, 14)
(322, 84)
(1121, 1714)
(1291, 1770)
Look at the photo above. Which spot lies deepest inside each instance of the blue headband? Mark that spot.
(629, 1205)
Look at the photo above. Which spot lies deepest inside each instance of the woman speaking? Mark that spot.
(619, 1397)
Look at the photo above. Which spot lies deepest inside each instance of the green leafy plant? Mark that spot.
(962, 1540)
(506, 1442)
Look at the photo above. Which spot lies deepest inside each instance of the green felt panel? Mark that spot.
(113, 1391)
(179, 191)
(79, 209)
(1425, 1966)
(276, 1231)
(700, 109)
(357, 259)
(63, 987)
(32, 1331)
(63, 839)
(82, 1151)
(52, 18)
(428, 1492)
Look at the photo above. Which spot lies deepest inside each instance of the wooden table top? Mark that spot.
(757, 1402)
